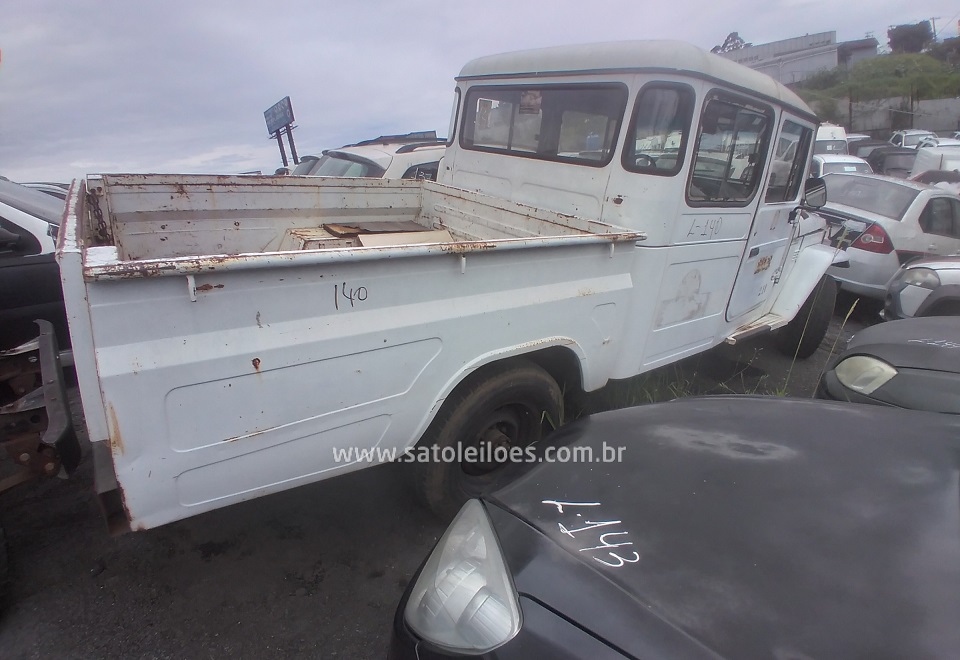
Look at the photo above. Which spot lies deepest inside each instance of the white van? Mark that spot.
(831, 139)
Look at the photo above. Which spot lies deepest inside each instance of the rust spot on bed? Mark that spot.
(466, 246)
(209, 287)
(256, 363)
(116, 439)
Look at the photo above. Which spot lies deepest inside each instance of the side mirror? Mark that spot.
(815, 192)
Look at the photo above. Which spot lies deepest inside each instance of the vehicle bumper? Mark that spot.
(867, 273)
(542, 635)
(903, 302)
(832, 389)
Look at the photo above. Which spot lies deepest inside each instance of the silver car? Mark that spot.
(884, 223)
(928, 287)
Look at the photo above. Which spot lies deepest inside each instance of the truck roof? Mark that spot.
(632, 56)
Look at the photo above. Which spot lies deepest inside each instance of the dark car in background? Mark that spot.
(892, 161)
(910, 363)
(863, 148)
(727, 527)
(29, 274)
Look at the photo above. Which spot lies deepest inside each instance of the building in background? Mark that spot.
(793, 60)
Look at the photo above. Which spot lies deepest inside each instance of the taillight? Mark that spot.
(874, 240)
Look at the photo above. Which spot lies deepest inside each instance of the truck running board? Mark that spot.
(762, 325)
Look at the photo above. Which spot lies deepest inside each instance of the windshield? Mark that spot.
(305, 165)
(335, 163)
(914, 140)
(863, 168)
(883, 197)
(830, 147)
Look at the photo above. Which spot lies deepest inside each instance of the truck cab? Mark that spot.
(706, 157)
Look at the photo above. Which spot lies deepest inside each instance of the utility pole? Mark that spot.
(933, 24)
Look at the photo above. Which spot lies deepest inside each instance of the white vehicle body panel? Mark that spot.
(936, 158)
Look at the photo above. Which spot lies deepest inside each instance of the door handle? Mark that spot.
(754, 252)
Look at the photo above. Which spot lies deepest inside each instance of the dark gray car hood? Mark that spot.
(929, 342)
(776, 528)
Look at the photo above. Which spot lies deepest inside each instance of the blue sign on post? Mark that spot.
(278, 115)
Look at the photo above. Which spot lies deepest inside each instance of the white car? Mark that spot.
(884, 223)
(830, 163)
(938, 142)
(926, 287)
(910, 137)
(410, 156)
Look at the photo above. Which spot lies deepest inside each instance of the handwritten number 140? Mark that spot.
(351, 295)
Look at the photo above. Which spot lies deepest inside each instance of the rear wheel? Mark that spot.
(481, 431)
(801, 337)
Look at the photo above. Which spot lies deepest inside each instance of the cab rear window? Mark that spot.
(568, 123)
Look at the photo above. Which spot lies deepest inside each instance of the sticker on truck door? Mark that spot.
(763, 263)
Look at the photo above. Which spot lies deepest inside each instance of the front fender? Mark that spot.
(947, 292)
(811, 265)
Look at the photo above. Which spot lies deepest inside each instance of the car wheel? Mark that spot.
(500, 410)
(801, 337)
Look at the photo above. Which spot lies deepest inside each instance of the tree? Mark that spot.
(732, 42)
(910, 38)
(947, 51)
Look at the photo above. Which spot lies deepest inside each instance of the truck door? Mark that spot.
(771, 232)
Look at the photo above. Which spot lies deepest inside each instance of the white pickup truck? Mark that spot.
(600, 211)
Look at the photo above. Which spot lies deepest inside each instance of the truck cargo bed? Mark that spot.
(156, 224)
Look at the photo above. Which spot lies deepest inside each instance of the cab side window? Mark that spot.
(729, 154)
(787, 163)
(659, 129)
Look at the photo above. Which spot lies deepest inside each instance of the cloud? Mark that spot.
(151, 86)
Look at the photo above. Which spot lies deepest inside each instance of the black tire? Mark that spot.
(801, 337)
(503, 405)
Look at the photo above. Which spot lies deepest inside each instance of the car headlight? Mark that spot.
(464, 599)
(923, 277)
(864, 374)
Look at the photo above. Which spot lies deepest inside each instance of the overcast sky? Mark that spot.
(180, 86)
